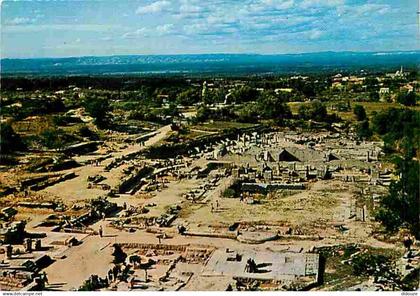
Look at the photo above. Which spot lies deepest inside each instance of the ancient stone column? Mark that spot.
(28, 245)
(9, 251)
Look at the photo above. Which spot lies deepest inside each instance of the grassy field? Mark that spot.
(33, 125)
(370, 107)
(339, 276)
(221, 125)
(191, 135)
(207, 129)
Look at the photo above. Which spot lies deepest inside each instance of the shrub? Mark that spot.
(369, 264)
(229, 193)
(9, 140)
(360, 112)
(86, 132)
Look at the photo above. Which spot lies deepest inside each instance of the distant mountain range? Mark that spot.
(209, 64)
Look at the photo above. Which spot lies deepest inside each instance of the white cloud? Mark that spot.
(137, 33)
(365, 9)
(160, 30)
(208, 29)
(315, 34)
(188, 8)
(154, 7)
(165, 29)
(320, 3)
(279, 4)
(64, 27)
(298, 23)
(19, 21)
(263, 6)
(195, 28)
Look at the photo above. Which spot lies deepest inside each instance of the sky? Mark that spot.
(63, 28)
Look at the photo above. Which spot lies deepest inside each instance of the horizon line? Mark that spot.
(214, 53)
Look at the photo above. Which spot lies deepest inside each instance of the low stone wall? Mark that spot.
(210, 234)
(53, 181)
(130, 181)
(143, 246)
(172, 150)
(268, 187)
(249, 239)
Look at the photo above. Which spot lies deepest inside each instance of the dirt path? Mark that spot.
(93, 256)
(76, 189)
(203, 131)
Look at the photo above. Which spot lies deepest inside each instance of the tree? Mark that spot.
(413, 75)
(374, 96)
(172, 110)
(314, 110)
(309, 90)
(9, 140)
(400, 207)
(214, 96)
(407, 98)
(188, 97)
(360, 112)
(244, 94)
(399, 128)
(203, 114)
(369, 264)
(371, 84)
(98, 108)
(363, 131)
(52, 138)
(248, 112)
(86, 132)
(272, 107)
(119, 254)
(304, 111)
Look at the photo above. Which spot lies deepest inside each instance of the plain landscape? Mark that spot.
(266, 182)
(185, 145)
